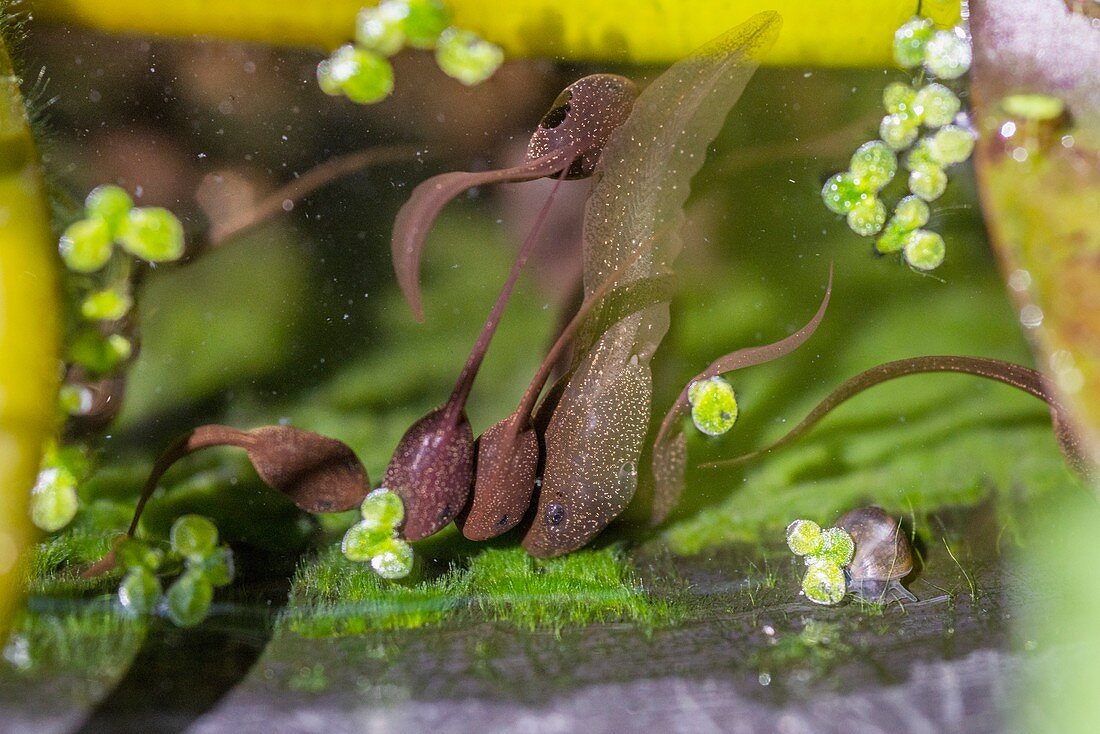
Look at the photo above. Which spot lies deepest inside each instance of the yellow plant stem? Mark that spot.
(28, 333)
(815, 32)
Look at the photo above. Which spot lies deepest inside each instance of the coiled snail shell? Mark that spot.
(883, 556)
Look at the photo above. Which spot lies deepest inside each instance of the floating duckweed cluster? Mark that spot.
(151, 233)
(101, 300)
(54, 501)
(374, 538)
(194, 550)
(361, 71)
(947, 140)
(713, 405)
(826, 553)
(103, 296)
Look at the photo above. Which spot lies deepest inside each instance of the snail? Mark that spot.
(883, 556)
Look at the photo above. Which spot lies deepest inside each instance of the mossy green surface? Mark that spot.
(334, 596)
(331, 595)
(590, 585)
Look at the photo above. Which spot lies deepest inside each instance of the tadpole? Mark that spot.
(595, 435)
(508, 452)
(432, 468)
(317, 473)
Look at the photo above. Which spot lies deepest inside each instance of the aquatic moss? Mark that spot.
(579, 588)
(331, 595)
(334, 596)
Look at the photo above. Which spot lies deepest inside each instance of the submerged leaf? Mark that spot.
(1036, 94)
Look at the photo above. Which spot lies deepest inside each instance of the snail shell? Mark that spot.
(883, 555)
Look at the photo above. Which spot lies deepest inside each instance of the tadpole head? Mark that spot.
(432, 471)
(507, 466)
(584, 115)
(318, 473)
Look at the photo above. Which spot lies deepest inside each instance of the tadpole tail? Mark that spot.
(415, 219)
(669, 458)
(192, 441)
(457, 402)
(1009, 373)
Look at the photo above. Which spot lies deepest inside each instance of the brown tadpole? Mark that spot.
(317, 473)
(509, 451)
(432, 468)
(1022, 378)
(669, 459)
(569, 139)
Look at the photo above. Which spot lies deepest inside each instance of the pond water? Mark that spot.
(695, 624)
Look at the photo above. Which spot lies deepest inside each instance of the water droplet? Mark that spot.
(764, 679)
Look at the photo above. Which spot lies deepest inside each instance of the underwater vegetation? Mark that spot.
(567, 467)
(505, 523)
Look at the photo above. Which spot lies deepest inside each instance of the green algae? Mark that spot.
(584, 587)
(333, 596)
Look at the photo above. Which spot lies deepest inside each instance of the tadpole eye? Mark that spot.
(555, 514)
(554, 117)
(558, 111)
